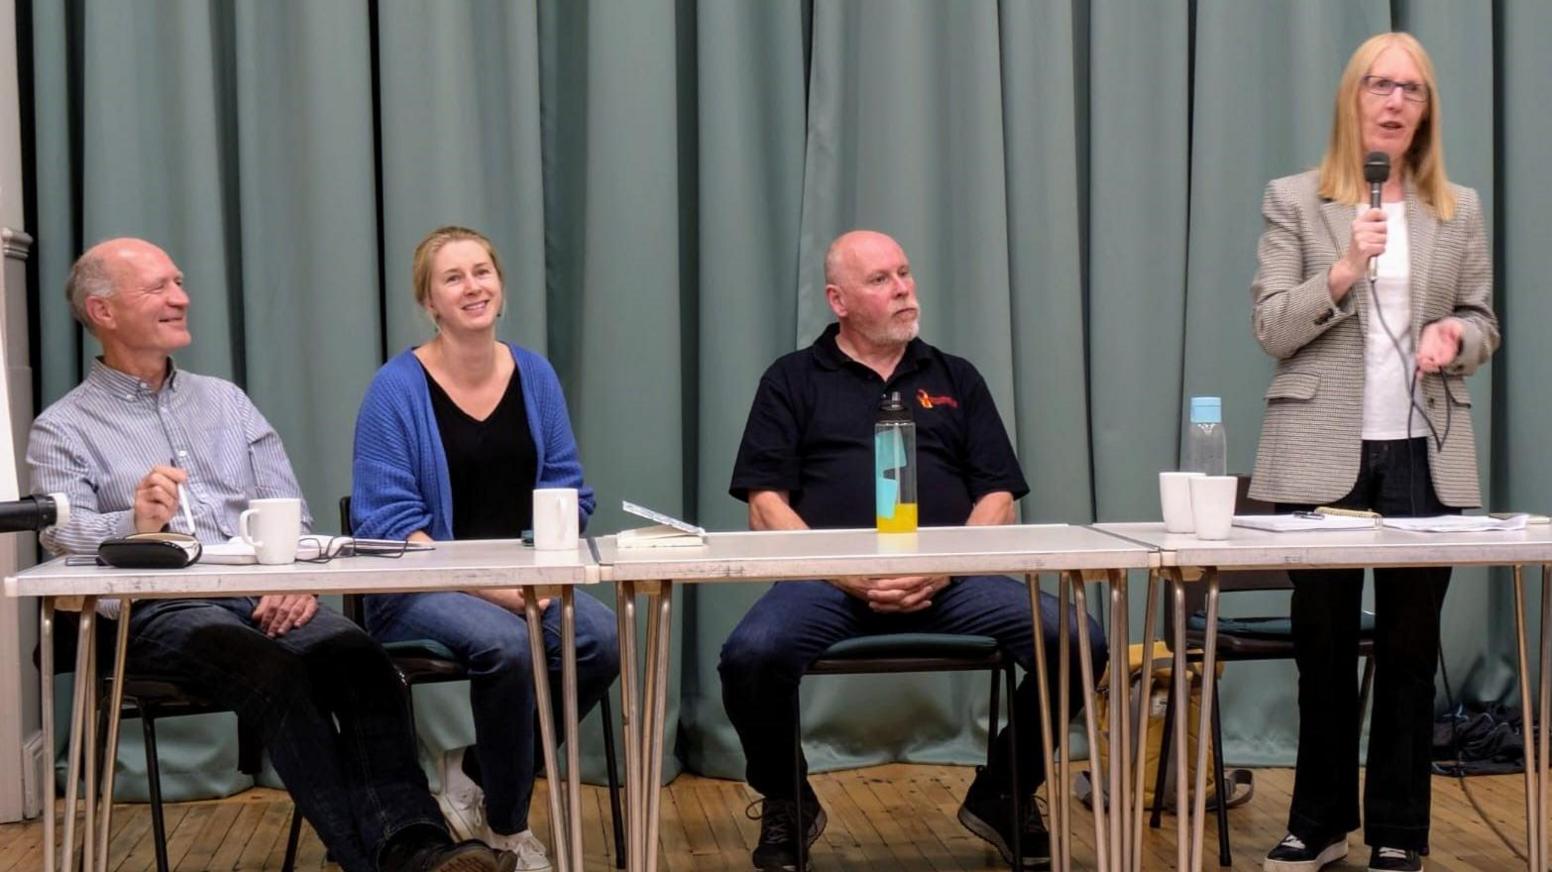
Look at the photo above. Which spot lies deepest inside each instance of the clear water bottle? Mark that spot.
(1207, 447)
(894, 466)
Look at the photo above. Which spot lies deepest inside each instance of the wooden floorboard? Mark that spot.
(896, 818)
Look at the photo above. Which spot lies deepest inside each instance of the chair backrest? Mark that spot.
(351, 602)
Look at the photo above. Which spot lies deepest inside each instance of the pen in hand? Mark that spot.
(183, 503)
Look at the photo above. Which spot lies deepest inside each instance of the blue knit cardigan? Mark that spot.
(399, 473)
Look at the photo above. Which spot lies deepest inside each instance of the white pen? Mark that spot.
(183, 502)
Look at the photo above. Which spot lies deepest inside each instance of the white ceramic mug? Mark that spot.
(555, 518)
(272, 527)
(1212, 505)
(1175, 499)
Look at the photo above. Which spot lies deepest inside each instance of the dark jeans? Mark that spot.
(325, 700)
(796, 621)
(492, 643)
(1393, 479)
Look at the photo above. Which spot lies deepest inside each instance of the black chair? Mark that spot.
(426, 661)
(920, 652)
(149, 698)
(1240, 639)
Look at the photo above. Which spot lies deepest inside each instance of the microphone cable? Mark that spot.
(1459, 770)
(1411, 381)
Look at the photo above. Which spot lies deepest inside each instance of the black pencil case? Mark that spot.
(150, 551)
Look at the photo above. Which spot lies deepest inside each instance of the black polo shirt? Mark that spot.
(810, 433)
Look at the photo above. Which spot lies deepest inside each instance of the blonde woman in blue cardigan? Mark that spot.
(451, 440)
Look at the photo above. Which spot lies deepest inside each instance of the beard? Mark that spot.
(893, 332)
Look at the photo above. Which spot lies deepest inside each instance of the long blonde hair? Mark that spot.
(1341, 170)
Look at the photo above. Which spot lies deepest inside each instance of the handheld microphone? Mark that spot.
(1376, 169)
(33, 513)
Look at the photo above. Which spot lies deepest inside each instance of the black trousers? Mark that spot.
(1393, 479)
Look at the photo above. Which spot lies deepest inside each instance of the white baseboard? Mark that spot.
(35, 768)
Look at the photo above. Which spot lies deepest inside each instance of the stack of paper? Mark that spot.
(1457, 523)
(1302, 522)
(236, 552)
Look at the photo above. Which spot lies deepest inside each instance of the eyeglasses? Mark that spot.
(322, 549)
(1416, 92)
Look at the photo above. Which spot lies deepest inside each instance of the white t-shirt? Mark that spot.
(1387, 368)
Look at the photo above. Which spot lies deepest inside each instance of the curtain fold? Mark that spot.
(1077, 183)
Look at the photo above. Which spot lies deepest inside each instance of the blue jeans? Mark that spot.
(796, 621)
(492, 644)
(326, 701)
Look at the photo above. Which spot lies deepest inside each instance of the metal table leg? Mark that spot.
(1544, 700)
(46, 665)
(111, 748)
(84, 655)
(1182, 708)
(1053, 785)
(559, 827)
(1086, 668)
(1534, 809)
(1064, 696)
(630, 723)
(568, 673)
(659, 626)
(1140, 735)
(1204, 721)
(1119, 735)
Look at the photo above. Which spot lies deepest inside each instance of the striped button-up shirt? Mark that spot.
(99, 441)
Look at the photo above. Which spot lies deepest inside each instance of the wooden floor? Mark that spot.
(896, 818)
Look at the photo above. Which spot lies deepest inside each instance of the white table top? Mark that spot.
(451, 565)
(1261, 549)
(833, 553)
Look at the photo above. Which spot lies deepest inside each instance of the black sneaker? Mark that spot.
(778, 848)
(1395, 860)
(1293, 855)
(988, 812)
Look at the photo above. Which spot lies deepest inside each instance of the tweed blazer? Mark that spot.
(1311, 430)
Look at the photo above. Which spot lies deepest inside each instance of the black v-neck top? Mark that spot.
(491, 464)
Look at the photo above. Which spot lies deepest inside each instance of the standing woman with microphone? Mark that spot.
(1368, 409)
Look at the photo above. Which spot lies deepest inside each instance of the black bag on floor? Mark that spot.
(1488, 742)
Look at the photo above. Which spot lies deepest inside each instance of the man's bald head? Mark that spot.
(869, 287)
(97, 272)
(841, 258)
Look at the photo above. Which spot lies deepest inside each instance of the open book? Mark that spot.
(668, 532)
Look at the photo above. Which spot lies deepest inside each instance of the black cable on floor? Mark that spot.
(1459, 770)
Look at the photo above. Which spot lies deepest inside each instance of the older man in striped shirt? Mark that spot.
(323, 695)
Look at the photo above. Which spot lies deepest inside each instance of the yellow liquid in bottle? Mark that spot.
(904, 520)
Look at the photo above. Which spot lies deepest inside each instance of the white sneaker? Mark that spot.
(461, 800)
(526, 846)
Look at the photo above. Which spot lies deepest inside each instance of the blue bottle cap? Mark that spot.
(1207, 410)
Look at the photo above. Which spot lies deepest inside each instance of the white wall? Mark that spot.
(20, 720)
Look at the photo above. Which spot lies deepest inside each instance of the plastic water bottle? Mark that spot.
(1206, 447)
(894, 466)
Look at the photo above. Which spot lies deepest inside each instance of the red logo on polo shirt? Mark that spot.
(928, 400)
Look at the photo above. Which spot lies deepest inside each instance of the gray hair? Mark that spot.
(89, 277)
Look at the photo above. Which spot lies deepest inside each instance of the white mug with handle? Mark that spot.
(555, 520)
(272, 527)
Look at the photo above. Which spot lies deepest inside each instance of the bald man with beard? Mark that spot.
(806, 461)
